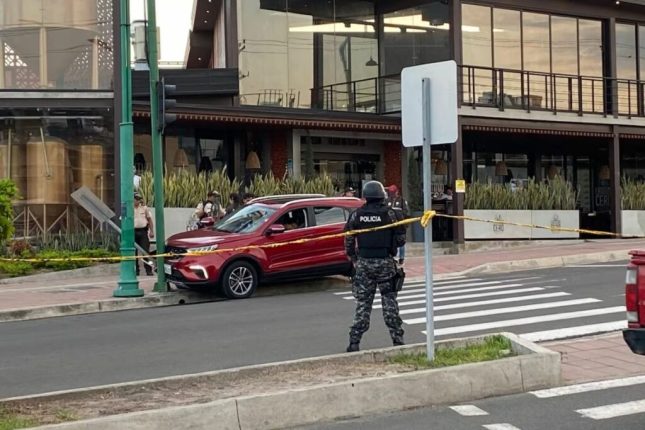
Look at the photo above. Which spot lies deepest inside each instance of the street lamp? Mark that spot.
(128, 284)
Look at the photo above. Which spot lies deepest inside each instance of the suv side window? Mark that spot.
(330, 215)
(294, 219)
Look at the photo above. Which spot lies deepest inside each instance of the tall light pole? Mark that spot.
(128, 283)
(156, 132)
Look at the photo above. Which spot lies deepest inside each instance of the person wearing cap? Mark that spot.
(143, 230)
(398, 203)
(349, 192)
(211, 207)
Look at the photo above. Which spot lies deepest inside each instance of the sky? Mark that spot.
(174, 22)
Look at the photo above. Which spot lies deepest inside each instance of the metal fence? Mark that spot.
(499, 88)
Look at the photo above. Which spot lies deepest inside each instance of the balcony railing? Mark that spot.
(381, 95)
(498, 88)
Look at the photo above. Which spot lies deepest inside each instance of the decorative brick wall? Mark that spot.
(393, 151)
(279, 153)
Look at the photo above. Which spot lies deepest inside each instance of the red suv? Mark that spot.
(264, 221)
(634, 335)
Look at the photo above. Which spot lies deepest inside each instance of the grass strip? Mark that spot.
(11, 421)
(492, 348)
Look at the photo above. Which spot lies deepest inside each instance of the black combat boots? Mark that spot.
(353, 347)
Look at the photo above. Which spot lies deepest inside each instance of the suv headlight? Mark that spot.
(204, 248)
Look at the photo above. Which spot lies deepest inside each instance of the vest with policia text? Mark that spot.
(376, 244)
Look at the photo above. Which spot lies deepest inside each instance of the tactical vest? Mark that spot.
(377, 244)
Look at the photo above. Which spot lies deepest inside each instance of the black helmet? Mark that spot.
(373, 190)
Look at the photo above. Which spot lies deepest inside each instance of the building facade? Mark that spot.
(545, 87)
(56, 108)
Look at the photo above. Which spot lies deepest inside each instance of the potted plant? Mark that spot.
(415, 197)
(551, 204)
(633, 207)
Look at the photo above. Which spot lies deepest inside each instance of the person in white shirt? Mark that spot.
(137, 179)
(143, 230)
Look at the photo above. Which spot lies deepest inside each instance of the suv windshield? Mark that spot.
(246, 220)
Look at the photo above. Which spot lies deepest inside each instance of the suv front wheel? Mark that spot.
(239, 280)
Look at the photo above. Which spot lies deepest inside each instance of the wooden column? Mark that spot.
(611, 67)
(614, 182)
(457, 168)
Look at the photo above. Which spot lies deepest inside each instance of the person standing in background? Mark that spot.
(143, 231)
(136, 179)
(398, 203)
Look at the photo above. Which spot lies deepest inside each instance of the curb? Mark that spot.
(548, 262)
(153, 300)
(533, 368)
(109, 305)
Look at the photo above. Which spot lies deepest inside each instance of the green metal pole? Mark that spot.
(128, 283)
(157, 139)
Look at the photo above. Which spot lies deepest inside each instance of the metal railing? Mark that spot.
(499, 88)
(379, 95)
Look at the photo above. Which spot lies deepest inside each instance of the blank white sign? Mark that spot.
(443, 103)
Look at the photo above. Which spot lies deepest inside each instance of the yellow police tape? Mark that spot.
(425, 219)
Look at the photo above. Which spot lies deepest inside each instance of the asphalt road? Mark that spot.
(608, 409)
(81, 351)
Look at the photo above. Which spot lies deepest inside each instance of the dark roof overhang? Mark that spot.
(280, 117)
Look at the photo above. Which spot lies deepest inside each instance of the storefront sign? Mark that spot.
(460, 186)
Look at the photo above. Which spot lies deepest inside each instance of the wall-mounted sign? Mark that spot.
(460, 186)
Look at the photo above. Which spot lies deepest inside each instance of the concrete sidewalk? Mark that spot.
(70, 293)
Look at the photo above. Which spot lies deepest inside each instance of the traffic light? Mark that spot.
(165, 104)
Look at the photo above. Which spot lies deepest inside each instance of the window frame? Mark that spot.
(330, 207)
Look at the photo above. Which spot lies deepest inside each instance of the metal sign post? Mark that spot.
(429, 117)
(427, 204)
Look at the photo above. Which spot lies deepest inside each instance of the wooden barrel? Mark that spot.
(47, 171)
(89, 169)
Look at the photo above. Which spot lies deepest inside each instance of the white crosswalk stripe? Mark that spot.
(588, 387)
(613, 411)
(539, 310)
(529, 320)
(469, 410)
(463, 315)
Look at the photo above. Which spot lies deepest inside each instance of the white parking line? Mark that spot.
(589, 386)
(469, 410)
(613, 411)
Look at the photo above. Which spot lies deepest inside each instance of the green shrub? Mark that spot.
(82, 241)
(16, 268)
(632, 195)
(70, 264)
(185, 189)
(557, 194)
(8, 192)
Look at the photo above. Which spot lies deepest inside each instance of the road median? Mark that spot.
(301, 392)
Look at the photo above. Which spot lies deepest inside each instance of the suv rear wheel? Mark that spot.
(239, 280)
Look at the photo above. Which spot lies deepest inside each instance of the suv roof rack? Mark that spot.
(285, 198)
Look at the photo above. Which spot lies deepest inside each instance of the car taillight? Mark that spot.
(631, 294)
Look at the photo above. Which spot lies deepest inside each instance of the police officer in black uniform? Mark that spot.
(373, 255)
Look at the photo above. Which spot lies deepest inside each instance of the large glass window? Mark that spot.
(537, 58)
(591, 64)
(416, 35)
(626, 68)
(477, 39)
(49, 155)
(540, 44)
(288, 47)
(64, 44)
(564, 48)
